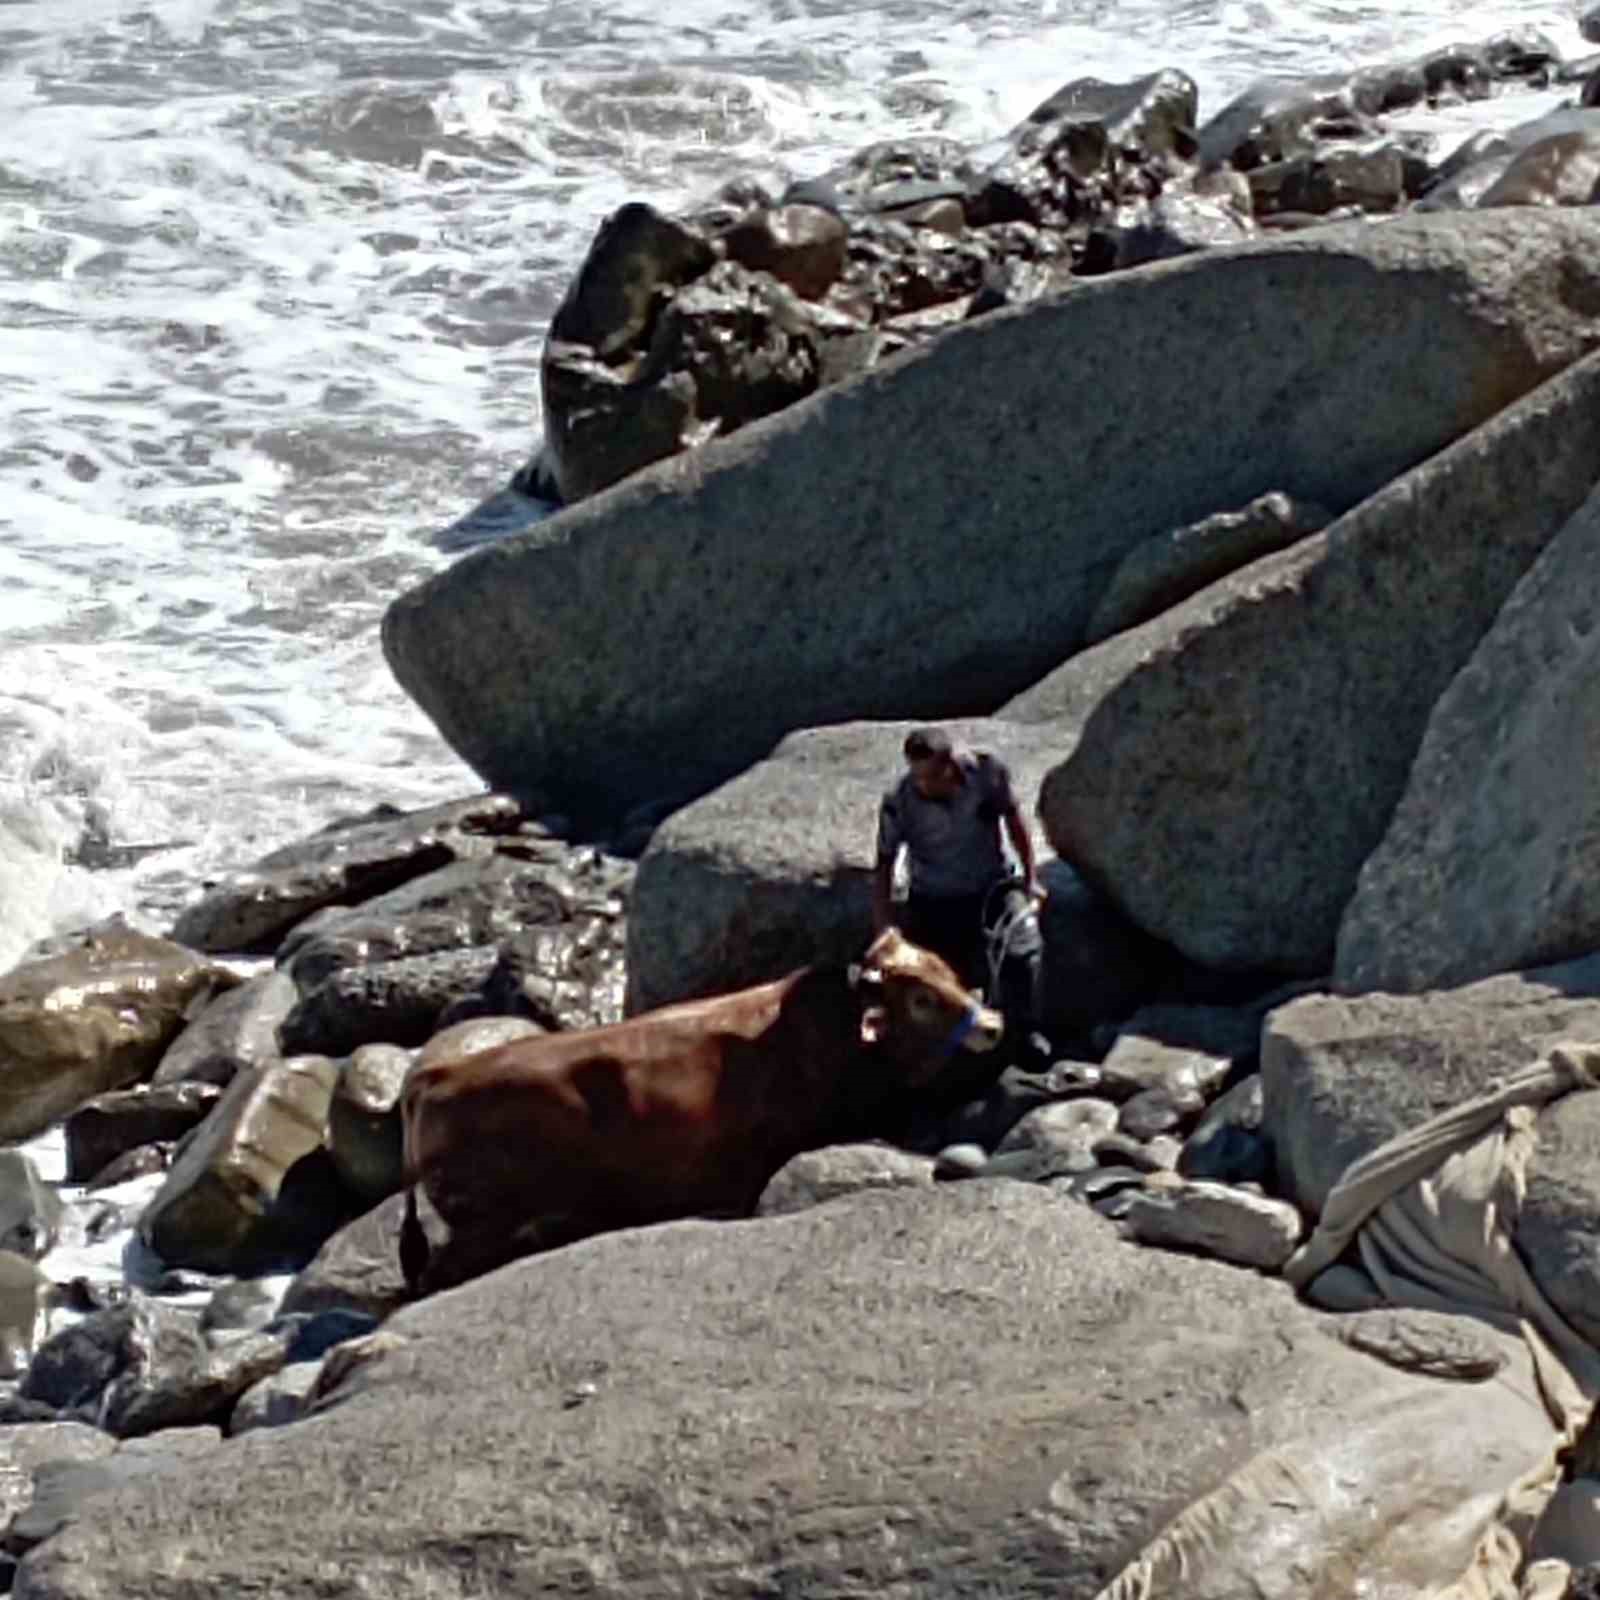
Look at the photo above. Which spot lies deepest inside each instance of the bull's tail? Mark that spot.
(414, 1247)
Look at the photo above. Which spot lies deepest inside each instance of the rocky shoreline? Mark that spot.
(1296, 652)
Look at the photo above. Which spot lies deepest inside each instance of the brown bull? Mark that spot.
(682, 1112)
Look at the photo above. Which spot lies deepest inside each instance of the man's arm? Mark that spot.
(1022, 843)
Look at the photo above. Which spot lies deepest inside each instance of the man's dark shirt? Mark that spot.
(954, 844)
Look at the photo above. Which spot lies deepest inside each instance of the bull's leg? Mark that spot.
(414, 1247)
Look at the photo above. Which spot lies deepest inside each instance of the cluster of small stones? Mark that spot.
(677, 330)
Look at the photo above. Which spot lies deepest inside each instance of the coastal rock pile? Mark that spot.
(679, 330)
(1271, 573)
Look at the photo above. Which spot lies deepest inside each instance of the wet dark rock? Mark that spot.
(1083, 148)
(255, 1188)
(566, 975)
(236, 1030)
(389, 1002)
(1227, 1145)
(94, 1018)
(469, 903)
(1525, 52)
(110, 1125)
(1371, 179)
(1563, 170)
(1458, 72)
(636, 260)
(1017, 283)
(895, 271)
(141, 1367)
(342, 865)
(1118, 1149)
(137, 1163)
(891, 174)
(802, 246)
(659, 345)
(1281, 120)
(1375, 91)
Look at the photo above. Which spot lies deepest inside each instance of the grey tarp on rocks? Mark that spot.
(1432, 1213)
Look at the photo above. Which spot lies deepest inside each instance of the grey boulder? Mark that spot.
(236, 1030)
(1214, 1219)
(1491, 861)
(97, 1017)
(565, 660)
(1238, 758)
(886, 1371)
(254, 1187)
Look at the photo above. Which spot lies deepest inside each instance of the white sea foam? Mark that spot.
(274, 278)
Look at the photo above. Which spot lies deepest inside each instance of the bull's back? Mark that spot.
(632, 1121)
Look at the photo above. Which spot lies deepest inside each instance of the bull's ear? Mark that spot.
(874, 1024)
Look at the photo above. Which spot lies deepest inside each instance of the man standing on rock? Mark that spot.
(964, 903)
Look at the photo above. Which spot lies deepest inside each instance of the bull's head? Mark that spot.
(916, 1010)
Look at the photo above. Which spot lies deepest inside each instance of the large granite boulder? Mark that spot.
(1341, 1075)
(255, 1187)
(345, 863)
(952, 1392)
(1238, 758)
(944, 577)
(1491, 860)
(773, 871)
(96, 1017)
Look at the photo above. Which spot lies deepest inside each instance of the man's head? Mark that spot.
(932, 759)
